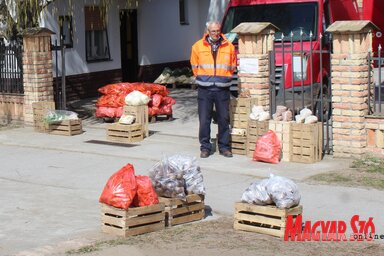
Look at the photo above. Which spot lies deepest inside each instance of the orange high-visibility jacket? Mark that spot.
(205, 69)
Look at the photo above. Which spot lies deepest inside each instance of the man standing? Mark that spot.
(213, 62)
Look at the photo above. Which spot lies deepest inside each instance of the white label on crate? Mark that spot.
(249, 65)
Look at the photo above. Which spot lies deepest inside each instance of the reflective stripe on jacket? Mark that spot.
(203, 65)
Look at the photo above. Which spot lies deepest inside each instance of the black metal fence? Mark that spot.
(376, 90)
(11, 70)
(300, 78)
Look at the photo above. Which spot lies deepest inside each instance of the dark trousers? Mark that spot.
(207, 98)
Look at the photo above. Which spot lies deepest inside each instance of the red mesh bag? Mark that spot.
(120, 189)
(146, 194)
(156, 100)
(267, 148)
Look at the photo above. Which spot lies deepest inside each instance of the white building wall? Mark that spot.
(75, 58)
(161, 37)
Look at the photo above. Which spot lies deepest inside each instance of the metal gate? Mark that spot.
(11, 70)
(376, 90)
(308, 71)
(60, 84)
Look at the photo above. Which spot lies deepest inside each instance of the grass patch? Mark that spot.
(369, 163)
(367, 172)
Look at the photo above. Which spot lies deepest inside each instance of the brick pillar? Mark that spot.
(37, 69)
(352, 40)
(255, 42)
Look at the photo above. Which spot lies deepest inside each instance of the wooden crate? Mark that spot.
(255, 130)
(267, 219)
(306, 142)
(39, 110)
(179, 211)
(238, 144)
(65, 127)
(134, 221)
(125, 133)
(239, 111)
(141, 114)
(282, 130)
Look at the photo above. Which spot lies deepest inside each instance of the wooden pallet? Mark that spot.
(141, 114)
(179, 211)
(39, 110)
(239, 111)
(268, 219)
(255, 130)
(125, 133)
(134, 221)
(306, 142)
(65, 127)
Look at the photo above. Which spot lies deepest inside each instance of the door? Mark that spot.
(129, 47)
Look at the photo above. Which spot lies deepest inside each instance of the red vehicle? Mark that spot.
(302, 47)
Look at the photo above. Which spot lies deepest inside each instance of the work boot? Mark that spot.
(204, 154)
(226, 153)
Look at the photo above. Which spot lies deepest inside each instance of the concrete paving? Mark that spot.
(50, 184)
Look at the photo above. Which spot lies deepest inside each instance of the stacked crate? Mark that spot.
(305, 142)
(141, 114)
(134, 221)
(282, 130)
(239, 111)
(39, 110)
(255, 130)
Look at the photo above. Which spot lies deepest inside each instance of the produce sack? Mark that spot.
(257, 193)
(167, 178)
(267, 148)
(136, 98)
(120, 189)
(146, 194)
(52, 116)
(283, 191)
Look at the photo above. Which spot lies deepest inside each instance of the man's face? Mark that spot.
(214, 31)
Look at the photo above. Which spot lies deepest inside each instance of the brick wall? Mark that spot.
(37, 70)
(256, 47)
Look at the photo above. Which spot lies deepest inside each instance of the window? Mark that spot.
(183, 12)
(96, 35)
(66, 30)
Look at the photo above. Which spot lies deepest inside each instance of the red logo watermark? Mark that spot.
(334, 230)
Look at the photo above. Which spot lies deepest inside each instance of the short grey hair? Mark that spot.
(213, 22)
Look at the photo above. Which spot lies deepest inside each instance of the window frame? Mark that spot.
(103, 29)
(68, 39)
(183, 12)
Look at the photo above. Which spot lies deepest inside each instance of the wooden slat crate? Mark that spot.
(238, 144)
(306, 142)
(255, 130)
(134, 221)
(65, 127)
(125, 133)
(39, 110)
(239, 111)
(141, 114)
(282, 130)
(178, 211)
(267, 219)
